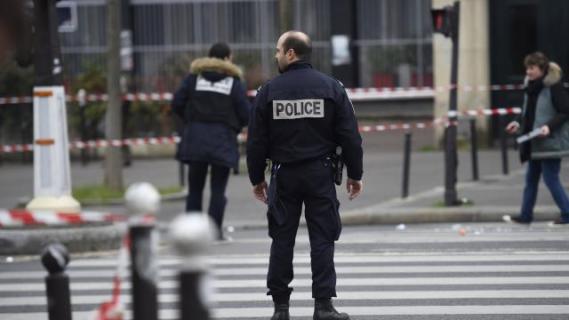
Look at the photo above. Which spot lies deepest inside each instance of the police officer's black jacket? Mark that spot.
(300, 115)
(213, 104)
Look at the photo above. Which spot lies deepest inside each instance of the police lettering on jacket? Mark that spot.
(298, 109)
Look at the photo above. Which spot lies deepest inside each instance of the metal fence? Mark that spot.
(394, 41)
(394, 38)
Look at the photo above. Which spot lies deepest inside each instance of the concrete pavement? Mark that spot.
(493, 196)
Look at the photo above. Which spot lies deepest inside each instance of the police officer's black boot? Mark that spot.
(281, 312)
(324, 310)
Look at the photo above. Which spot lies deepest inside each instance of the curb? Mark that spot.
(378, 215)
(89, 237)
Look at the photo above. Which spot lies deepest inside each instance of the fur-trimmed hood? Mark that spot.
(215, 65)
(554, 74)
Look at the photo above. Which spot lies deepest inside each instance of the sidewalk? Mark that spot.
(493, 196)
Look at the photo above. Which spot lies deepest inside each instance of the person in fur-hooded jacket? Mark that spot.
(213, 105)
(545, 108)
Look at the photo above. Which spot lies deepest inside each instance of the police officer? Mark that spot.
(213, 104)
(298, 120)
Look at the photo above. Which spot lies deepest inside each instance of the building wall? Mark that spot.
(474, 63)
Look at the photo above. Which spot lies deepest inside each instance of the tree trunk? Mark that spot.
(113, 158)
(285, 8)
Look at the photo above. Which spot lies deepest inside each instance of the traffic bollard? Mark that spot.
(474, 149)
(143, 200)
(406, 165)
(191, 235)
(503, 144)
(55, 259)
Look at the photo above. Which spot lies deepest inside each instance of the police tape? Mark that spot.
(19, 218)
(242, 137)
(485, 112)
(356, 94)
(94, 144)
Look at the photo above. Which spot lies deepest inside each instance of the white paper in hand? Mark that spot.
(528, 136)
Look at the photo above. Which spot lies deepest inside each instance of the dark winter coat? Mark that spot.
(546, 103)
(213, 105)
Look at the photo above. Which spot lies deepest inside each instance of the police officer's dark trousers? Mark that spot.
(292, 185)
(219, 177)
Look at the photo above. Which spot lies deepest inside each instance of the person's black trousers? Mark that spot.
(309, 183)
(218, 183)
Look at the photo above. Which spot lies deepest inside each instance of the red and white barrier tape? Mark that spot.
(114, 309)
(485, 112)
(17, 148)
(356, 94)
(16, 218)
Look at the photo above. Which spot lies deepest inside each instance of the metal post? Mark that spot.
(191, 236)
(143, 273)
(142, 200)
(474, 149)
(451, 157)
(406, 165)
(182, 174)
(55, 259)
(503, 144)
(82, 100)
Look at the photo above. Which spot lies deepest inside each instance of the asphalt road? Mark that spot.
(429, 271)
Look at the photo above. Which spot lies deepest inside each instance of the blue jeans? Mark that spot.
(550, 169)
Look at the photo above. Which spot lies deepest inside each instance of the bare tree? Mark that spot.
(113, 158)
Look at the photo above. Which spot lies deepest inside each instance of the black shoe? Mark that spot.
(324, 310)
(281, 312)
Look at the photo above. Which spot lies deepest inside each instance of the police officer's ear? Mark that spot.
(290, 54)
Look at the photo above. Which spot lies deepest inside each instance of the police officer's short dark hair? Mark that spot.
(219, 50)
(302, 47)
(537, 59)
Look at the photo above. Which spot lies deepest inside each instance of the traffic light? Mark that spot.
(446, 21)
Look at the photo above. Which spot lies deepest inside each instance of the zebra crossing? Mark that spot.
(532, 285)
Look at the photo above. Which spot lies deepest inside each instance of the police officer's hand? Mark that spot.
(354, 188)
(260, 192)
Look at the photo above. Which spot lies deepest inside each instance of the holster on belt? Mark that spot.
(276, 207)
(337, 166)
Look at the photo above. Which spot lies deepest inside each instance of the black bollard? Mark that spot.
(191, 235)
(191, 305)
(406, 165)
(55, 259)
(503, 144)
(474, 149)
(144, 273)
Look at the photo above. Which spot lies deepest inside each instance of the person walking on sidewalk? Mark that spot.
(545, 108)
(298, 120)
(213, 105)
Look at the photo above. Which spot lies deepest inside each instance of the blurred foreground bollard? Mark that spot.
(55, 259)
(474, 149)
(191, 235)
(142, 201)
(406, 165)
